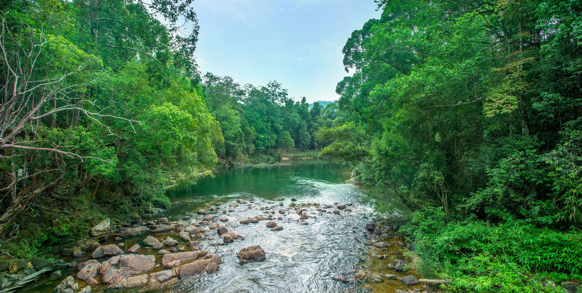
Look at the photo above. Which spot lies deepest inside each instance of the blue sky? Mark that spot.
(295, 42)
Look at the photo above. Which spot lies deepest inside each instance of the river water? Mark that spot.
(300, 258)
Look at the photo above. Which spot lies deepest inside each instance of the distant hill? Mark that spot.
(322, 103)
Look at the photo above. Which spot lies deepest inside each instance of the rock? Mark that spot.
(182, 256)
(134, 248)
(271, 225)
(55, 275)
(131, 282)
(304, 217)
(163, 252)
(3, 265)
(40, 263)
(209, 265)
(222, 230)
(102, 228)
(341, 207)
(228, 239)
(254, 220)
(163, 221)
(400, 291)
(151, 241)
(391, 277)
(399, 267)
(282, 212)
(89, 269)
(169, 242)
(245, 222)
(163, 276)
(224, 219)
(380, 244)
(293, 200)
(184, 235)
(571, 287)
(17, 266)
(360, 275)
(251, 254)
(279, 218)
(107, 250)
(241, 201)
(234, 205)
(376, 278)
(209, 218)
(118, 268)
(66, 285)
(371, 227)
(277, 228)
(163, 228)
(303, 223)
(409, 280)
(77, 252)
(336, 212)
(91, 281)
(132, 232)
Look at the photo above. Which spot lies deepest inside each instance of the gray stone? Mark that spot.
(40, 263)
(409, 280)
(107, 250)
(251, 254)
(102, 228)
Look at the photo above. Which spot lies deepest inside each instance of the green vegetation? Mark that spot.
(466, 117)
(103, 109)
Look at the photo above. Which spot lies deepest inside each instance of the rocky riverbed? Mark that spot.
(325, 241)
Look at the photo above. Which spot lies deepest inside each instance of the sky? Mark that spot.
(298, 43)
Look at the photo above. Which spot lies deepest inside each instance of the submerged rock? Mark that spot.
(271, 224)
(251, 254)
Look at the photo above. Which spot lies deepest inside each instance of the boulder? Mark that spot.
(131, 282)
(234, 205)
(169, 242)
(341, 207)
(381, 244)
(271, 224)
(277, 228)
(245, 222)
(228, 239)
(214, 226)
(107, 250)
(163, 221)
(40, 263)
(132, 232)
(102, 228)
(163, 276)
(571, 287)
(182, 257)
(224, 219)
(118, 268)
(360, 275)
(304, 217)
(409, 280)
(77, 252)
(163, 252)
(371, 226)
(134, 248)
(391, 277)
(88, 269)
(67, 285)
(193, 230)
(222, 230)
(336, 212)
(282, 212)
(184, 235)
(254, 220)
(209, 265)
(209, 218)
(91, 281)
(151, 241)
(251, 254)
(163, 228)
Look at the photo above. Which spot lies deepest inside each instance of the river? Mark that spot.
(301, 257)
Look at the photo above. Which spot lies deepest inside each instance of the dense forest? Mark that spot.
(466, 118)
(103, 108)
(463, 118)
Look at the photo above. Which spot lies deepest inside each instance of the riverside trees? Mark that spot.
(473, 111)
